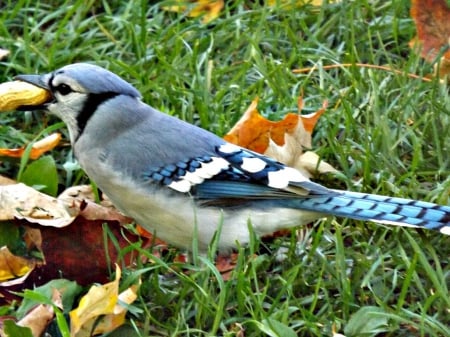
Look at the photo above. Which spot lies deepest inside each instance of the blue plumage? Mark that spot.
(183, 182)
(234, 182)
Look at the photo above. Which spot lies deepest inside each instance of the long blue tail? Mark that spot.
(381, 209)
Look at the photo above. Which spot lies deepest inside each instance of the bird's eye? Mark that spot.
(64, 89)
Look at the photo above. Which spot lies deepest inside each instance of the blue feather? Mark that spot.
(239, 180)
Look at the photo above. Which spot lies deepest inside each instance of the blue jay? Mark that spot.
(179, 180)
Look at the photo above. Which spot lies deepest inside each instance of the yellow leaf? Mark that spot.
(12, 266)
(209, 9)
(102, 309)
(100, 300)
(113, 321)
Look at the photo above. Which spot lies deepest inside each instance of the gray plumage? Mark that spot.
(175, 178)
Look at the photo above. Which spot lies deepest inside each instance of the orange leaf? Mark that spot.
(254, 132)
(310, 120)
(433, 31)
(38, 149)
(284, 141)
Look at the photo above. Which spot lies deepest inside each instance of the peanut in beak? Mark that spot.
(17, 94)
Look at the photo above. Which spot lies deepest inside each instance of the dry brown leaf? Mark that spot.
(7, 181)
(17, 93)
(253, 131)
(210, 9)
(70, 250)
(77, 252)
(19, 201)
(39, 318)
(38, 148)
(311, 162)
(32, 238)
(81, 201)
(225, 264)
(433, 32)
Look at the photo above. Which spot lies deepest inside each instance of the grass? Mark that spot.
(387, 134)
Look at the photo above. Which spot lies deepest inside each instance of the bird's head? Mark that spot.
(77, 91)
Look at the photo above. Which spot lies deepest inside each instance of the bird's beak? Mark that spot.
(40, 81)
(37, 80)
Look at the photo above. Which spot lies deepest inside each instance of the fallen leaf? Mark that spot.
(37, 149)
(18, 201)
(78, 252)
(81, 201)
(225, 264)
(238, 330)
(433, 33)
(311, 162)
(209, 9)
(284, 141)
(100, 300)
(334, 333)
(117, 318)
(104, 303)
(7, 181)
(254, 132)
(32, 238)
(39, 318)
(12, 285)
(12, 266)
(70, 236)
(18, 94)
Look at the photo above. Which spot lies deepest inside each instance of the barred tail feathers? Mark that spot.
(381, 209)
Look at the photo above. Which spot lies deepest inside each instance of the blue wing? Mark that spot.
(232, 176)
(234, 172)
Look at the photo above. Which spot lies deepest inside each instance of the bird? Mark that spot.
(184, 183)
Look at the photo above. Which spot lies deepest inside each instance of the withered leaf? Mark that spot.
(433, 32)
(284, 140)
